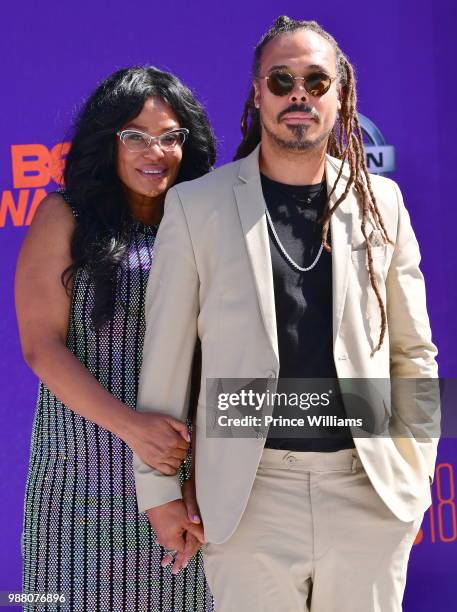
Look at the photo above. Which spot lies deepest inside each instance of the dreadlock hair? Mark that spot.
(345, 142)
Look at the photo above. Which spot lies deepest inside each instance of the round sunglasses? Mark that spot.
(282, 83)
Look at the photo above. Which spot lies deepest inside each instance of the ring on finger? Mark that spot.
(171, 552)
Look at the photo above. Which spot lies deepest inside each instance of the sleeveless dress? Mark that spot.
(82, 534)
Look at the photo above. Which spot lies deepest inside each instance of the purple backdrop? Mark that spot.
(404, 52)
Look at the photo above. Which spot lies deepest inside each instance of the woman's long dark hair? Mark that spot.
(104, 223)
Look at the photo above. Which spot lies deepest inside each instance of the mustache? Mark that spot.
(299, 108)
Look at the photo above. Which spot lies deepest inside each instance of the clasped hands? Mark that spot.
(162, 442)
(178, 527)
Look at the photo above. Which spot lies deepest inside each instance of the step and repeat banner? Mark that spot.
(404, 55)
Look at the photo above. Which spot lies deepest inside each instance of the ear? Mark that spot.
(255, 84)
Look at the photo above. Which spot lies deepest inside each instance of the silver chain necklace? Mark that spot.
(284, 252)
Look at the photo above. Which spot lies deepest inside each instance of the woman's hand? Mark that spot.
(190, 500)
(159, 440)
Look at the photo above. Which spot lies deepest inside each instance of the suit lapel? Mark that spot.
(251, 209)
(341, 240)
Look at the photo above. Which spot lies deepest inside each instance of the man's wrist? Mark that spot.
(157, 509)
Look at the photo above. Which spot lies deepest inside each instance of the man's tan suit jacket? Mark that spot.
(211, 277)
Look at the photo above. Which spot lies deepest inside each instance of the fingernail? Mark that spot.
(185, 564)
(196, 518)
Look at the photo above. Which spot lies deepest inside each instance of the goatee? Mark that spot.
(299, 142)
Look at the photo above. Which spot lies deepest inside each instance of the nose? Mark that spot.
(154, 152)
(298, 92)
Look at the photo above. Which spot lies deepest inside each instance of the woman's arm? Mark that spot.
(42, 306)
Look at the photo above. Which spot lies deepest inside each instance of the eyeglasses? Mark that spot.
(282, 83)
(137, 141)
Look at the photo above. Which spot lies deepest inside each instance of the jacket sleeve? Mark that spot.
(413, 366)
(171, 310)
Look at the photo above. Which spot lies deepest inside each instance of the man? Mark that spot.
(290, 262)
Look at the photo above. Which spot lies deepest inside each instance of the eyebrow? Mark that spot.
(310, 67)
(142, 128)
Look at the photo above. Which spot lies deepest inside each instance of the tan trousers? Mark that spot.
(316, 537)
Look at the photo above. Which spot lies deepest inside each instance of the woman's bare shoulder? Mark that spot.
(54, 218)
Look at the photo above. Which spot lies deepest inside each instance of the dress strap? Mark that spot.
(64, 193)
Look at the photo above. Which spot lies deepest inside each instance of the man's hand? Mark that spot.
(192, 544)
(173, 528)
(159, 440)
(191, 548)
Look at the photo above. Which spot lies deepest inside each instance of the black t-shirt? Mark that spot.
(303, 306)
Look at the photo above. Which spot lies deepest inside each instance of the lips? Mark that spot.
(152, 172)
(297, 117)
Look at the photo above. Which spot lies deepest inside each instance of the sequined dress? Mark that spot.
(82, 534)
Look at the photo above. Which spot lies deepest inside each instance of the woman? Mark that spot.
(80, 285)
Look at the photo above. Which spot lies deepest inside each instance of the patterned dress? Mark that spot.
(82, 534)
